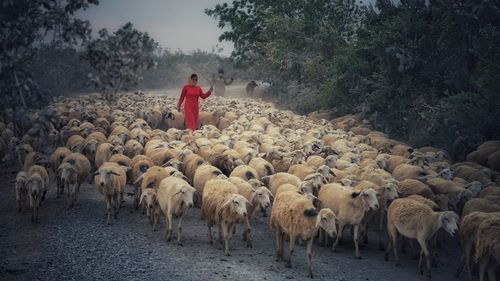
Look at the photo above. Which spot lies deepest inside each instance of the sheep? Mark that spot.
(425, 201)
(22, 197)
(22, 150)
(73, 171)
(491, 193)
(284, 164)
(35, 158)
(55, 160)
(223, 205)
(103, 153)
(203, 174)
(301, 170)
(349, 206)
(162, 156)
(191, 163)
(110, 180)
(223, 162)
(408, 171)
(480, 156)
(295, 215)
(274, 181)
(175, 197)
(245, 172)
(468, 237)
(37, 183)
(133, 148)
(259, 197)
(494, 161)
(75, 143)
(409, 187)
(139, 165)
(261, 166)
(487, 247)
(480, 205)
(149, 201)
(152, 178)
(417, 221)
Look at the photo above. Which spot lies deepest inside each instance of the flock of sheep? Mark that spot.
(311, 177)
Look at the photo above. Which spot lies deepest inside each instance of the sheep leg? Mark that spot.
(246, 234)
(108, 208)
(425, 250)
(491, 272)
(483, 265)
(179, 230)
(461, 265)
(309, 256)
(279, 245)
(226, 230)
(356, 242)
(393, 236)
(288, 262)
(381, 231)
(339, 236)
(116, 205)
(136, 197)
(168, 225)
(210, 239)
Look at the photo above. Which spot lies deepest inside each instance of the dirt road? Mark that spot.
(76, 244)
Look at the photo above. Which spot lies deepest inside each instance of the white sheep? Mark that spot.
(175, 197)
(110, 180)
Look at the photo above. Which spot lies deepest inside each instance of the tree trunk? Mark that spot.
(20, 90)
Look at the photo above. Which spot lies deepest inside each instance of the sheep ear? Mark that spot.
(139, 180)
(355, 194)
(143, 195)
(97, 173)
(114, 173)
(228, 201)
(13, 181)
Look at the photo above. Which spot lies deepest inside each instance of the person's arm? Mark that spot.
(207, 94)
(181, 98)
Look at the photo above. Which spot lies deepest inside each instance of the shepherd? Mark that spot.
(221, 82)
(191, 92)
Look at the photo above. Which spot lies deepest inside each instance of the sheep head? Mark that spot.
(237, 205)
(327, 221)
(448, 220)
(261, 197)
(185, 195)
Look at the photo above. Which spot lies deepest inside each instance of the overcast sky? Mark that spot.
(175, 24)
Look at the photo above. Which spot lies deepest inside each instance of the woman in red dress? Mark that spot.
(191, 92)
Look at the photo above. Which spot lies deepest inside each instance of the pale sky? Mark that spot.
(175, 24)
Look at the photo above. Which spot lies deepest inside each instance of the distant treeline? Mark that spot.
(62, 71)
(426, 72)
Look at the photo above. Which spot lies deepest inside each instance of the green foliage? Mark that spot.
(23, 24)
(119, 59)
(424, 71)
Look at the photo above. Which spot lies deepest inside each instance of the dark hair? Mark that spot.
(193, 75)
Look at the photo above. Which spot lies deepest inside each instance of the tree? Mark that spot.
(24, 23)
(119, 59)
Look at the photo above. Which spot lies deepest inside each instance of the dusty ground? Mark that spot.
(76, 244)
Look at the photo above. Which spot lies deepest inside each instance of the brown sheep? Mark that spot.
(274, 181)
(480, 205)
(149, 201)
(295, 215)
(488, 247)
(76, 143)
(223, 205)
(468, 237)
(301, 170)
(22, 196)
(73, 171)
(417, 221)
(409, 187)
(245, 172)
(407, 171)
(350, 207)
(37, 188)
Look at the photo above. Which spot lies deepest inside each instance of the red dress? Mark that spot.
(191, 94)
